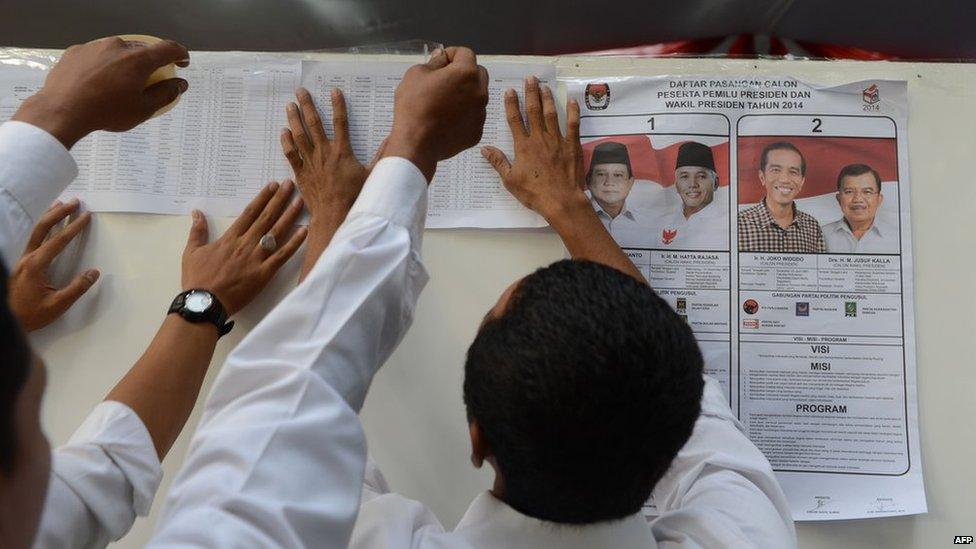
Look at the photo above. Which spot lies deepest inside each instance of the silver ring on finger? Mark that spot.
(268, 242)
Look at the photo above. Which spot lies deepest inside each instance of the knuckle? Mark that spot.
(413, 71)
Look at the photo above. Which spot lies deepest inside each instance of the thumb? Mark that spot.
(163, 93)
(65, 297)
(199, 231)
(438, 59)
(498, 160)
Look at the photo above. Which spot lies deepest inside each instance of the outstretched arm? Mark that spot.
(279, 454)
(547, 175)
(100, 85)
(109, 471)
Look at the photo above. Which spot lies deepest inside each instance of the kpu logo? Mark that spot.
(597, 96)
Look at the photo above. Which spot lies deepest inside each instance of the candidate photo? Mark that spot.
(835, 195)
(661, 192)
(860, 229)
(609, 180)
(698, 221)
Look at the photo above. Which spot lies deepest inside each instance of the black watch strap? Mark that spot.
(216, 314)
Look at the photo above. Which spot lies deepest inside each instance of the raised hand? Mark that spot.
(101, 85)
(328, 174)
(547, 175)
(34, 300)
(439, 109)
(239, 264)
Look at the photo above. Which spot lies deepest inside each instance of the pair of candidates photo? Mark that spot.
(584, 390)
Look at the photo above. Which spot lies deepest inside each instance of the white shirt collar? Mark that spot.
(876, 227)
(625, 212)
(489, 522)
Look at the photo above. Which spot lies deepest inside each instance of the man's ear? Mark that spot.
(479, 446)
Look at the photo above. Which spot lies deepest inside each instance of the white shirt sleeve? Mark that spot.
(278, 457)
(105, 475)
(35, 168)
(720, 490)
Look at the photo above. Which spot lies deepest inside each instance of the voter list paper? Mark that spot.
(466, 191)
(220, 144)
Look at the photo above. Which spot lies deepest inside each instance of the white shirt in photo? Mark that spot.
(706, 229)
(881, 238)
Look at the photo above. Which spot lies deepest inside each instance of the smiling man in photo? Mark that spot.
(860, 230)
(698, 223)
(775, 224)
(610, 180)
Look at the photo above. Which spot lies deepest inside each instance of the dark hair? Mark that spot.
(15, 359)
(585, 388)
(854, 170)
(781, 146)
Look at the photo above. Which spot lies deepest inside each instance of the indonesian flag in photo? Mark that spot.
(825, 157)
(652, 158)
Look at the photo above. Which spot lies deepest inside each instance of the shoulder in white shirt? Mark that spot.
(719, 492)
(881, 238)
(706, 229)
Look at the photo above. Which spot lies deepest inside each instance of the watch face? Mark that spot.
(198, 302)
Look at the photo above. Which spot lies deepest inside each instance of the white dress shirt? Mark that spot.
(719, 492)
(105, 476)
(881, 238)
(34, 169)
(285, 400)
(706, 229)
(630, 228)
(278, 458)
(108, 472)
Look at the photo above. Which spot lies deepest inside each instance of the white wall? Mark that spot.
(414, 418)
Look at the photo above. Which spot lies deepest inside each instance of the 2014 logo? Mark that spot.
(871, 96)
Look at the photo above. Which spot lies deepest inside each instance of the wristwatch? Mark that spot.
(198, 305)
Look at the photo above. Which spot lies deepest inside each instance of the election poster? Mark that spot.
(774, 216)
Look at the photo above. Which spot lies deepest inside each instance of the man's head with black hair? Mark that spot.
(610, 177)
(782, 173)
(24, 451)
(581, 386)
